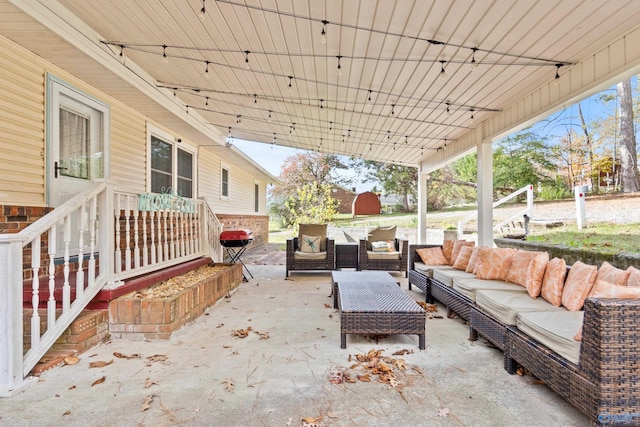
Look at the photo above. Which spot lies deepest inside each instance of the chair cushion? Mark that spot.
(310, 244)
(383, 255)
(553, 281)
(309, 255)
(580, 280)
(506, 305)
(446, 275)
(469, 287)
(314, 230)
(427, 269)
(432, 256)
(556, 330)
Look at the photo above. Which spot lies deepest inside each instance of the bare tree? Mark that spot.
(628, 155)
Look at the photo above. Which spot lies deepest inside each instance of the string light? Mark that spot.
(321, 104)
(203, 11)
(274, 139)
(206, 103)
(406, 139)
(448, 109)
(246, 58)
(122, 50)
(238, 121)
(556, 80)
(255, 98)
(290, 80)
(330, 125)
(339, 66)
(369, 99)
(270, 113)
(206, 70)
(472, 115)
(393, 109)
(443, 74)
(164, 54)
(388, 135)
(323, 33)
(474, 64)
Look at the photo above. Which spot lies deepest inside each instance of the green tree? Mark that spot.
(396, 180)
(312, 204)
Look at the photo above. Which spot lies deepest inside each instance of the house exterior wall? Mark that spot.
(23, 180)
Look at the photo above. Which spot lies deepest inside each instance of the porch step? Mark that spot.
(89, 328)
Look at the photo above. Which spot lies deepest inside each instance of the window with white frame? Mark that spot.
(224, 182)
(172, 167)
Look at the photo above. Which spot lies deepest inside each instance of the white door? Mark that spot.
(78, 128)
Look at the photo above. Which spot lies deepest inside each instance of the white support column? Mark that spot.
(422, 208)
(485, 190)
(11, 333)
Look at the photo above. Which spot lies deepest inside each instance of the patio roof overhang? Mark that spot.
(388, 81)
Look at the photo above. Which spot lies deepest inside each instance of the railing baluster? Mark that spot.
(172, 231)
(66, 288)
(183, 242)
(118, 252)
(145, 249)
(136, 237)
(35, 292)
(154, 245)
(127, 234)
(82, 224)
(91, 273)
(51, 302)
(165, 214)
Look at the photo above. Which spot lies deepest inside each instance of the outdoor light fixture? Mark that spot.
(448, 109)
(206, 103)
(369, 99)
(443, 74)
(255, 98)
(474, 64)
(323, 33)
(164, 53)
(206, 70)
(246, 58)
(472, 116)
(290, 80)
(203, 11)
(339, 66)
(270, 112)
(393, 109)
(330, 125)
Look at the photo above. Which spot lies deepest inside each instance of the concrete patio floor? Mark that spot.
(204, 376)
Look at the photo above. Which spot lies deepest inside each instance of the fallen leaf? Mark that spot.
(66, 413)
(100, 364)
(147, 403)
(71, 360)
(124, 356)
(263, 335)
(99, 381)
(157, 358)
(311, 421)
(220, 325)
(72, 387)
(443, 412)
(240, 333)
(148, 383)
(402, 352)
(327, 305)
(366, 378)
(228, 385)
(400, 364)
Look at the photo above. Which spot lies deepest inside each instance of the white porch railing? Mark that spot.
(113, 238)
(528, 210)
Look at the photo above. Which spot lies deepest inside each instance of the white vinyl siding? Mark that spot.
(22, 159)
(128, 150)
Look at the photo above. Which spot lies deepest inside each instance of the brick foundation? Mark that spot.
(157, 318)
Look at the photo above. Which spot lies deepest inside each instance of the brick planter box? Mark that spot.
(133, 317)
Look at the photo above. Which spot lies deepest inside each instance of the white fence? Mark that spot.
(106, 237)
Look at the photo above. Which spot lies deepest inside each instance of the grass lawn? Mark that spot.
(606, 238)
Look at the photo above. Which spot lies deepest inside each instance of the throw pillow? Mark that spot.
(310, 244)
(432, 256)
(613, 275)
(519, 267)
(463, 258)
(456, 249)
(604, 289)
(472, 265)
(535, 274)
(314, 230)
(553, 281)
(579, 282)
(494, 263)
(447, 249)
(380, 234)
(383, 246)
(634, 276)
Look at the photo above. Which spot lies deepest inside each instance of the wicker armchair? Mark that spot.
(325, 259)
(399, 263)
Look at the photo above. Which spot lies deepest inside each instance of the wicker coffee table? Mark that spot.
(372, 303)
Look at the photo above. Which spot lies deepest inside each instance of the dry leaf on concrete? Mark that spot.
(124, 356)
(148, 383)
(311, 421)
(402, 352)
(66, 413)
(240, 333)
(147, 403)
(99, 381)
(157, 358)
(263, 335)
(100, 364)
(443, 412)
(71, 360)
(365, 378)
(228, 384)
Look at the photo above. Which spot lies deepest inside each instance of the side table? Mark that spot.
(346, 255)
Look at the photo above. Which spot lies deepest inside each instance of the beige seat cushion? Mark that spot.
(383, 255)
(446, 276)
(506, 305)
(427, 270)
(469, 287)
(555, 330)
(309, 255)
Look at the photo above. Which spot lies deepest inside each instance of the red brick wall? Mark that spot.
(258, 224)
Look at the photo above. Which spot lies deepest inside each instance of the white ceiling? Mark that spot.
(390, 50)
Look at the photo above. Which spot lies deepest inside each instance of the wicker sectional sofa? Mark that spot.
(599, 375)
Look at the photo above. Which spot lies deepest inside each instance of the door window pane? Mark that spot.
(74, 145)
